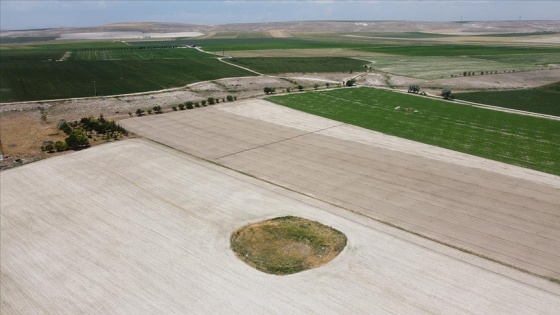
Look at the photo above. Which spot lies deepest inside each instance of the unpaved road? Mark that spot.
(500, 211)
(133, 227)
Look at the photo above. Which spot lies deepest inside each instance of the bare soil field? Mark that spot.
(147, 232)
(506, 213)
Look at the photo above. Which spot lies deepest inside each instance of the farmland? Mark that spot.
(544, 100)
(144, 54)
(496, 210)
(161, 245)
(428, 67)
(295, 64)
(22, 81)
(515, 139)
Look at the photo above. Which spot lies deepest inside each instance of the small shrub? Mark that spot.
(211, 101)
(182, 106)
(229, 98)
(174, 108)
(139, 112)
(60, 146)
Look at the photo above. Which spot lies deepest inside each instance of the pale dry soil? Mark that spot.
(503, 212)
(134, 227)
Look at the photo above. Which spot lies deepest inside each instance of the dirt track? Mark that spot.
(137, 228)
(504, 212)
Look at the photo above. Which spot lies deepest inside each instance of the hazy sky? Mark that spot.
(21, 14)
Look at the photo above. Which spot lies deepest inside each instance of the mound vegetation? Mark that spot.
(287, 245)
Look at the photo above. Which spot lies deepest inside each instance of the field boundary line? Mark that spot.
(275, 142)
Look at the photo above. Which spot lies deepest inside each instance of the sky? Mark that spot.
(21, 14)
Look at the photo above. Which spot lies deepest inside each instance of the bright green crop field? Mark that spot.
(543, 100)
(525, 141)
(295, 64)
(38, 80)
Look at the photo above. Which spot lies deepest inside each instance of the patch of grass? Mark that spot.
(25, 81)
(287, 245)
(295, 64)
(525, 141)
(543, 100)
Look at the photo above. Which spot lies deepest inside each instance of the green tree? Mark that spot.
(211, 101)
(157, 109)
(174, 108)
(351, 82)
(229, 98)
(327, 85)
(447, 94)
(77, 139)
(139, 112)
(300, 87)
(413, 88)
(182, 106)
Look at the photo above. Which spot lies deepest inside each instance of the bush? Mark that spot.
(77, 139)
(447, 94)
(413, 88)
(189, 105)
(182, 106)
(300, 87)
(60, 146)
(211, 101)
(351, 82)
(174, 108)
(229, 98)
(139, 112)
(64, 126)
(157, 109)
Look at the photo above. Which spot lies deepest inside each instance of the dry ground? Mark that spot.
(503, 212)
(137, 228)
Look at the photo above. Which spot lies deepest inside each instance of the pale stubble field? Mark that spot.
(136, 227)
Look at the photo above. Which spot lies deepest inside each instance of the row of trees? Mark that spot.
(186, 105)
(271, 90)
(79, 132)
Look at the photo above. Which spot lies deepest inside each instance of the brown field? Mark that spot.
(499, 211)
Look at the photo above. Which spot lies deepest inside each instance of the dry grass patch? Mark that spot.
(287, 245)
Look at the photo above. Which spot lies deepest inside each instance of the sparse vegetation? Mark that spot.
(287, 245)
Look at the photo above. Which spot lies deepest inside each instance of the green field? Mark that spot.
(543, 100)
(23, 81)
(295, 64)
(525, 141)
(144, 54)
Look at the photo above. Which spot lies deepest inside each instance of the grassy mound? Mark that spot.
(287, 245)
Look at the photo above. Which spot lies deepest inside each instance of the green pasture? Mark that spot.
(24, 81)
(543, 100)
(294, 64)
(143, 54)
(525, 141)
